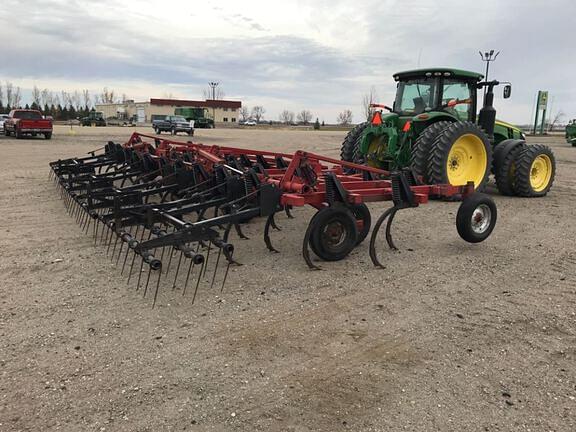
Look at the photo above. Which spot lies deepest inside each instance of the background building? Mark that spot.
(222, 111)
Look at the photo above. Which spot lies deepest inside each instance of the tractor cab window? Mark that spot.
(457, 99)
(415, 96)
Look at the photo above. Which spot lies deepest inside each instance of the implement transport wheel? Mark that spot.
(363, 220)
(476, 218)
(334, 233)
(460, 154)
(504, 165)
(420, 151)
(351, 142)
(535, 171)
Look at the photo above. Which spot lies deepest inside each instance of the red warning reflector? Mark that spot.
(406, 127)
(377, 118)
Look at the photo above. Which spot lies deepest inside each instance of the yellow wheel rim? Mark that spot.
(373, 150)
(540, 173)
(467, 161)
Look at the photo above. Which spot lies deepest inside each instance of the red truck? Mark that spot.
(27, 122)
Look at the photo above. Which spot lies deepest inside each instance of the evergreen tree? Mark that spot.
(35, 106)
(53, 111)
(72, 113)
(58, 115)
(64, 113)
(8, 108)
(46, 109)
(27, 107)
(1, 107)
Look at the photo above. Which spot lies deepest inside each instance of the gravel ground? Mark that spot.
(449, 337)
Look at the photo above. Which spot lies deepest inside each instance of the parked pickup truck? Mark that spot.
(27, 122)
(173, 124)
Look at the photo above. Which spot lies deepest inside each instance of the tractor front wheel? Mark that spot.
(349, 145)
(420, 152)
(334, 233)
(535, 171)
(460, 154)
(476, 218)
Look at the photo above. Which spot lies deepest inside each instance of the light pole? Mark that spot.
(213, 86)
(488, 57)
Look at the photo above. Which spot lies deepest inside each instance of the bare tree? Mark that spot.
(368, 99)
(1, 94)
(345, 117)
(244, 113)
(17, 97)
(36, 95)
(46, 97)
(559, 115)
(86, 97)
(218, 93)
(107, 96)
(287, 117)
(9, 93)
(258, 112)
(168, 95)
(304, 116)
(76, 99)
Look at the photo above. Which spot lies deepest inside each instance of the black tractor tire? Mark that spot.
(504, 165)
(420, 151)
(476, 218)
(334, 233)
(48, 135)
(362, 214)
(440, 151)
(526, 170)
(351, 142)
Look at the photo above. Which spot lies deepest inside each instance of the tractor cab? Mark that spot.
(435, 92)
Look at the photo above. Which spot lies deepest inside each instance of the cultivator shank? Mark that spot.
(157, 204)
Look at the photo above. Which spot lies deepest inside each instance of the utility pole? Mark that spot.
(488, 57)
(213, 86)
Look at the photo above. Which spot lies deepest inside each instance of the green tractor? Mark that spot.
(571, 133)
(94, 118)
(433, 129)
(199, 115)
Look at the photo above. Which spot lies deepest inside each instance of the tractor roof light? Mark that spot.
(428, 74)
(447, 74)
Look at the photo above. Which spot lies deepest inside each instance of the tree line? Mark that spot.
(62, 105)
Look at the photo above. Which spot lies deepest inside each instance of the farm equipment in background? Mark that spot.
(170, 204)
(94, 118)
(433, 128)
(199, 115)
(571, 133)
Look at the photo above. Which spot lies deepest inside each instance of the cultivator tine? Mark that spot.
(216, 268)
(177, 270)
(267, 241)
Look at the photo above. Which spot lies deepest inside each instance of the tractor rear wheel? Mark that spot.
(348, 149)
(535, 171)
(334, 233)
(504, 165)
(421, 148)
(460, 154)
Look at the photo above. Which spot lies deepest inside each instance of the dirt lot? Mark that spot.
(450, 337)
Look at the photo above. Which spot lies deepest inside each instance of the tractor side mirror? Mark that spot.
(507, 91)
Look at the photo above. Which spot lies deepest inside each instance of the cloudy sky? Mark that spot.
(321, 55)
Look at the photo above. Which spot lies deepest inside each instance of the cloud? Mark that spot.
(321, 56)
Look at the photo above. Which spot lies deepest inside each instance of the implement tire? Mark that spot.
(535, 171)
(461, 153)
(504, 165)
(420, 151)
(334, 233)
(476, 218)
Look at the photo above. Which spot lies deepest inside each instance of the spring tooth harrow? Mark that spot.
(171, 203)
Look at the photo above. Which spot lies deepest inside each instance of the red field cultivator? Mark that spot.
(174, 204)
